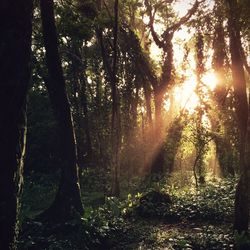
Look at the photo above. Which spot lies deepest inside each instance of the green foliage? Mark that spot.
(153, 203)
(106, 220)
(213, 202)
(93, 179)
(39, 192)
(73, 234)
(42, 142)
(76, 22)
(97, 229)
(242, 241)
(173, 141)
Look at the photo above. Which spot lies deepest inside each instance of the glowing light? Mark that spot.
(167, 104)
(186, 95)
(209, 79)
(181, 7)
(142, 109)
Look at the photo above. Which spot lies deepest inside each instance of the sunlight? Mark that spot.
(210, 80)
(185, 95)
(181, 7)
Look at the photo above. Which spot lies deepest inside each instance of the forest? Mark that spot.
(125, 124)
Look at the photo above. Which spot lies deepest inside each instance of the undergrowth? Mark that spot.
(161, 215)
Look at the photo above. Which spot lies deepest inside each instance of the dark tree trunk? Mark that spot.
(116, 123)
(15, 48)
(147, 94)
(158, 99)
(241, 219)
(84, 106)
(68, 195)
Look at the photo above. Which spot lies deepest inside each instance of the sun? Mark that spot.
(210, 80)
(185, 96)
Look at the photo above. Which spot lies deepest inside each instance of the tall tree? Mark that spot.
(15, 48)
(239, 83)
(219, 116)
(68, 194)
(165, 43)
(111, 72)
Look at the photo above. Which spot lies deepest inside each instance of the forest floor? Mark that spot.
(166, 217)
(153, 234)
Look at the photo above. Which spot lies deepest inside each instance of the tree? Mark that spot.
(68, 195)
(220, 115)
(164, 42)
(111, 72)
(16, 25)
(239, 84)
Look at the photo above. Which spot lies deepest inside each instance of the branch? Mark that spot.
(158, 42)
(184, 19)
(134, 49)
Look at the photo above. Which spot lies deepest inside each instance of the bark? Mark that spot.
(241, 219)
(15, 50)
(68, 195)
(200, 144)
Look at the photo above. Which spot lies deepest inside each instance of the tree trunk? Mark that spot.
(15, 48)
(68, 195)
(111, 72)
(241, 219)
(158, 99)
(147, 94)
(116, 123)
(224, 149)
(84, 106)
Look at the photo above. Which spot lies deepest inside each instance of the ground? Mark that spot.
(162, 216)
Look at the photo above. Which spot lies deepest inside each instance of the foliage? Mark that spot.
(109, 222)
(242, 241)
(97, 228)
(42, 140)
(213, 202)
(39, 192)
